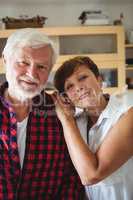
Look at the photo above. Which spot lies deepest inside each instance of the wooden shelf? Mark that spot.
(128, 45)
(112, 60)
(130, 90)
(112, 90)
(129, 68)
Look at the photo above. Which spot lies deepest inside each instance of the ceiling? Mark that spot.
(64, 1)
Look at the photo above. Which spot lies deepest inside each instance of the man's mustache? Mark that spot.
(29, 79)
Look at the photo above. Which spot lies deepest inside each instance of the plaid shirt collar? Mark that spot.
(41, 101)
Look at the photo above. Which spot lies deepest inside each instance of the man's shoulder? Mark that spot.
(3, 87)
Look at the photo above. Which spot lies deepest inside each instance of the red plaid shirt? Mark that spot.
(47, 173)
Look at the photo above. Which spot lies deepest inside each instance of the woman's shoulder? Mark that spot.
(125, 99)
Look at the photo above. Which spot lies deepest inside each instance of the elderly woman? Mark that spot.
(102, 147)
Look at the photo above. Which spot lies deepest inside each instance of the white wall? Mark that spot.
(66, 12)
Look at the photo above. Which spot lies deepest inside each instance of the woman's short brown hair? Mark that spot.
(68, 67)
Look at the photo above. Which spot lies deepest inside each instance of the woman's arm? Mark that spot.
(116, 149)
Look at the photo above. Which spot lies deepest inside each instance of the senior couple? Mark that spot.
(49, 152)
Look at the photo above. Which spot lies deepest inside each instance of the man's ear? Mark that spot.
(4, 60)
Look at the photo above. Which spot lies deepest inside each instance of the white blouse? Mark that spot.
(119, 185)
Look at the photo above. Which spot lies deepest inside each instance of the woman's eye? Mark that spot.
(82, 77)
(68, 87)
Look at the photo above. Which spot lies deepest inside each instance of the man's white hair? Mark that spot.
(28, 37)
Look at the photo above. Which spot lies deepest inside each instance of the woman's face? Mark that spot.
(83, 88)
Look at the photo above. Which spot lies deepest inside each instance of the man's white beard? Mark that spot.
(18, 92)
(23, 95)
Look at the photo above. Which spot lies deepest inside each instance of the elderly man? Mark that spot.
(34, 161)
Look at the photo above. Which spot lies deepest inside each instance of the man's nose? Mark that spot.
(31, 71)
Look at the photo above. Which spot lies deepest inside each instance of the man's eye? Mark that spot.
(22, 63)
(42, 67)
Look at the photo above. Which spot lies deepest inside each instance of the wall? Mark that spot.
(66, 12)
(63, 13)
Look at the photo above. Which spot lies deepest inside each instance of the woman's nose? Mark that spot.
(79, 87)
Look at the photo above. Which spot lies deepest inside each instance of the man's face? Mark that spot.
(27, 71)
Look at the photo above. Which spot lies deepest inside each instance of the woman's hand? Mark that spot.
(64, 108)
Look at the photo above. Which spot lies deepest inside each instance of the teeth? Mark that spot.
(29, 82)
(50, 91)
(83, 96)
